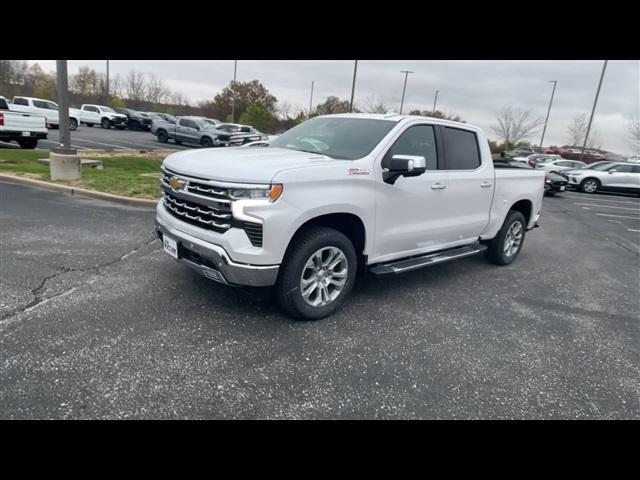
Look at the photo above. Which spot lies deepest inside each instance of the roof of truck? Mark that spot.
(396, 117)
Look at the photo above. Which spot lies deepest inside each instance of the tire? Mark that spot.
(496, 251)
(162, 136)
(299, 263)
(206, 142)
(105, 123)
(135, 126)
(28, 143)
(73, 124)
(590, 185)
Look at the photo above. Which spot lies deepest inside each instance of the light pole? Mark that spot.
(233, 89)
(406, 74)
(555, 82)
(311, 99)
(435, 101)
(593, 110)
(107, 80)
(63, 108)
(353, 85)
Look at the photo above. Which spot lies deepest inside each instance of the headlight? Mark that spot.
(271, 194)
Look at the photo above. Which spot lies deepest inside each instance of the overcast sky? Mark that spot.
(475, 90)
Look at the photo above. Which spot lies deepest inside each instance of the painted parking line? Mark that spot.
(632, 230)
(607, 206)
(616, 216)
(574, 197)
(57, 144)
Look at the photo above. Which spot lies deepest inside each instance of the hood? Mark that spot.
(242, 165)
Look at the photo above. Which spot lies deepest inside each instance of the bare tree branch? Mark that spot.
(577, 130)
(634, 134)
(514, 125)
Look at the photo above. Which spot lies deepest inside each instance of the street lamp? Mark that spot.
(555, 82)
(311, 99)
(406, 74)
(593, 110)
(233, 89)
(353, 85)
(434, 101)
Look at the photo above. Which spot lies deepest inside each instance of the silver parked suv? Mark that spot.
(617, 176)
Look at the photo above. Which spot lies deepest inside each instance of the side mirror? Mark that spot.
(403, 165)
(612, 171)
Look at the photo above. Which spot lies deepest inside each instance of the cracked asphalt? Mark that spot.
(97, 322)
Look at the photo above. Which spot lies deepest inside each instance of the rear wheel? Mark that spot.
(28, 143)
(589, 185)
(73, 124)
(506, 245)
(317, 273)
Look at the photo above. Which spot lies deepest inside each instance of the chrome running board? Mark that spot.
(406, 265)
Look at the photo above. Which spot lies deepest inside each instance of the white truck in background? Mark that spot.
(24, 128)
(341, 194)
(45, 108)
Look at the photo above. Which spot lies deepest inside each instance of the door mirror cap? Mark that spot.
(612, 170)
(402, 165)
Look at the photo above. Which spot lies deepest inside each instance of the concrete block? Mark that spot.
(64, 167)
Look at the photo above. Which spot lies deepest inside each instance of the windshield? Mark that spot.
(340, 138)
(107, 109)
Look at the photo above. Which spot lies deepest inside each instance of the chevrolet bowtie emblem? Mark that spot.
(176, 183)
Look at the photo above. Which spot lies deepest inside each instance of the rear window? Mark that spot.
(461, 149)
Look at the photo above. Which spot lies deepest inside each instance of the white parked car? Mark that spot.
(23, 128)
(45, 108)
(617, 176)
(559, 165)
(102, 115)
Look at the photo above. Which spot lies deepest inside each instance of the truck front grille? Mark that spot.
(196, 214)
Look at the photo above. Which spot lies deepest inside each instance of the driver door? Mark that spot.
(412, 216)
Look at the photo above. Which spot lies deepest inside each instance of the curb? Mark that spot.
(133, 202)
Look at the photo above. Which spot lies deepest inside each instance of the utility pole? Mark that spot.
(593, 110)
(233, 99)
(555, 82)
(108, 97)
(63, 105)
(353, 85)
(406, 74)
(311, 99)
(435, 101)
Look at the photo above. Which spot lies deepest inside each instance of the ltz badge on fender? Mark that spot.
(358, 171)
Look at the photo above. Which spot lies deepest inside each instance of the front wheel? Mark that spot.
(506, 245)
(106, 123)
(162, 136)
(73, 124)
(206, 142)
(590, 185)
(317, 274)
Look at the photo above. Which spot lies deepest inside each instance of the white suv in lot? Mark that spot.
(45, 108)
(617, 177)
(102, 115)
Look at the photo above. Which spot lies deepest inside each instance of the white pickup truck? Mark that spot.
(341, 194)
(23, 128)
(102, 115)
(45, 108)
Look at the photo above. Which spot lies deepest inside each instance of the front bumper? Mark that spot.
(213, 262)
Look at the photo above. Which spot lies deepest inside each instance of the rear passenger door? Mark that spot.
(186, 130)
(623, 176)
(470, 183)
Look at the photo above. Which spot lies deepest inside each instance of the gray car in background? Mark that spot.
(616, 176)
(194, 131)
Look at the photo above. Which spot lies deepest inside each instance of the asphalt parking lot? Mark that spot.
(91, 138)
(97, 322)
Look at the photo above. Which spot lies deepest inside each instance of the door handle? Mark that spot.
(485, 184)
(438, 186)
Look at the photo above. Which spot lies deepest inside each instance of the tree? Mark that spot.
(577, 130)
(634, 134)
(259, 117)
(438, 114)
(85, 82)
(135, 88)
(246, 94)
(378, 105)
(333, 105)
(156, 91)
(514, 124)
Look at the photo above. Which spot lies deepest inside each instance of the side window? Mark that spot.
(188, 123)
(20, 101)
(624, 168)
(636, 169)
(460, 149)
(40, 104)
(91, 109)
(418, 140)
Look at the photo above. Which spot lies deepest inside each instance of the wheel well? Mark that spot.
(524, 207)
(347, 223)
